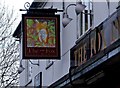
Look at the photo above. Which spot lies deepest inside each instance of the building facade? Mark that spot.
(89, 44)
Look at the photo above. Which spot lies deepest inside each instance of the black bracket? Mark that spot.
(48, 11)
(70, 75)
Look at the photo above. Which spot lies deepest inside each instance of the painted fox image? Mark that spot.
(42, 32)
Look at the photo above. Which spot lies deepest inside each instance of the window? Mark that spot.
(85, 19)
(38, 80)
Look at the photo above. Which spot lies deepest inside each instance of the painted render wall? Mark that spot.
(102, 12)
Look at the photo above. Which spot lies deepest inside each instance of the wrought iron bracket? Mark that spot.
(32, 10)
(34, 63)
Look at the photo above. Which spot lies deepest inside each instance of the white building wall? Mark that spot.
(68, 39)
(101, 11)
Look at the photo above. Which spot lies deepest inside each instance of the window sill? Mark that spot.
(83, 36)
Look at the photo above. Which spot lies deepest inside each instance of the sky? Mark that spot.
(17, 4)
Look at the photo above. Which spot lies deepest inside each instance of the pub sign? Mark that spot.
(41, 36)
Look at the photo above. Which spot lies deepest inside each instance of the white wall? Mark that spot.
(61, 67)
(101, 11)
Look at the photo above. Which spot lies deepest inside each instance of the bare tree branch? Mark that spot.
(9, 54)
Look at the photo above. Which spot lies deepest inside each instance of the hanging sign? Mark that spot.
(41, 36)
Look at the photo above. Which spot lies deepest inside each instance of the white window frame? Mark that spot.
(89, 9)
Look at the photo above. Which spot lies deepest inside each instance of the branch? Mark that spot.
(10, 81)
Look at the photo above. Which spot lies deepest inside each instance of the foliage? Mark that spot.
(9, 55)
(41, 33)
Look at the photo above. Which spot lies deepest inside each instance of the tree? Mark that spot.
(9, 49)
